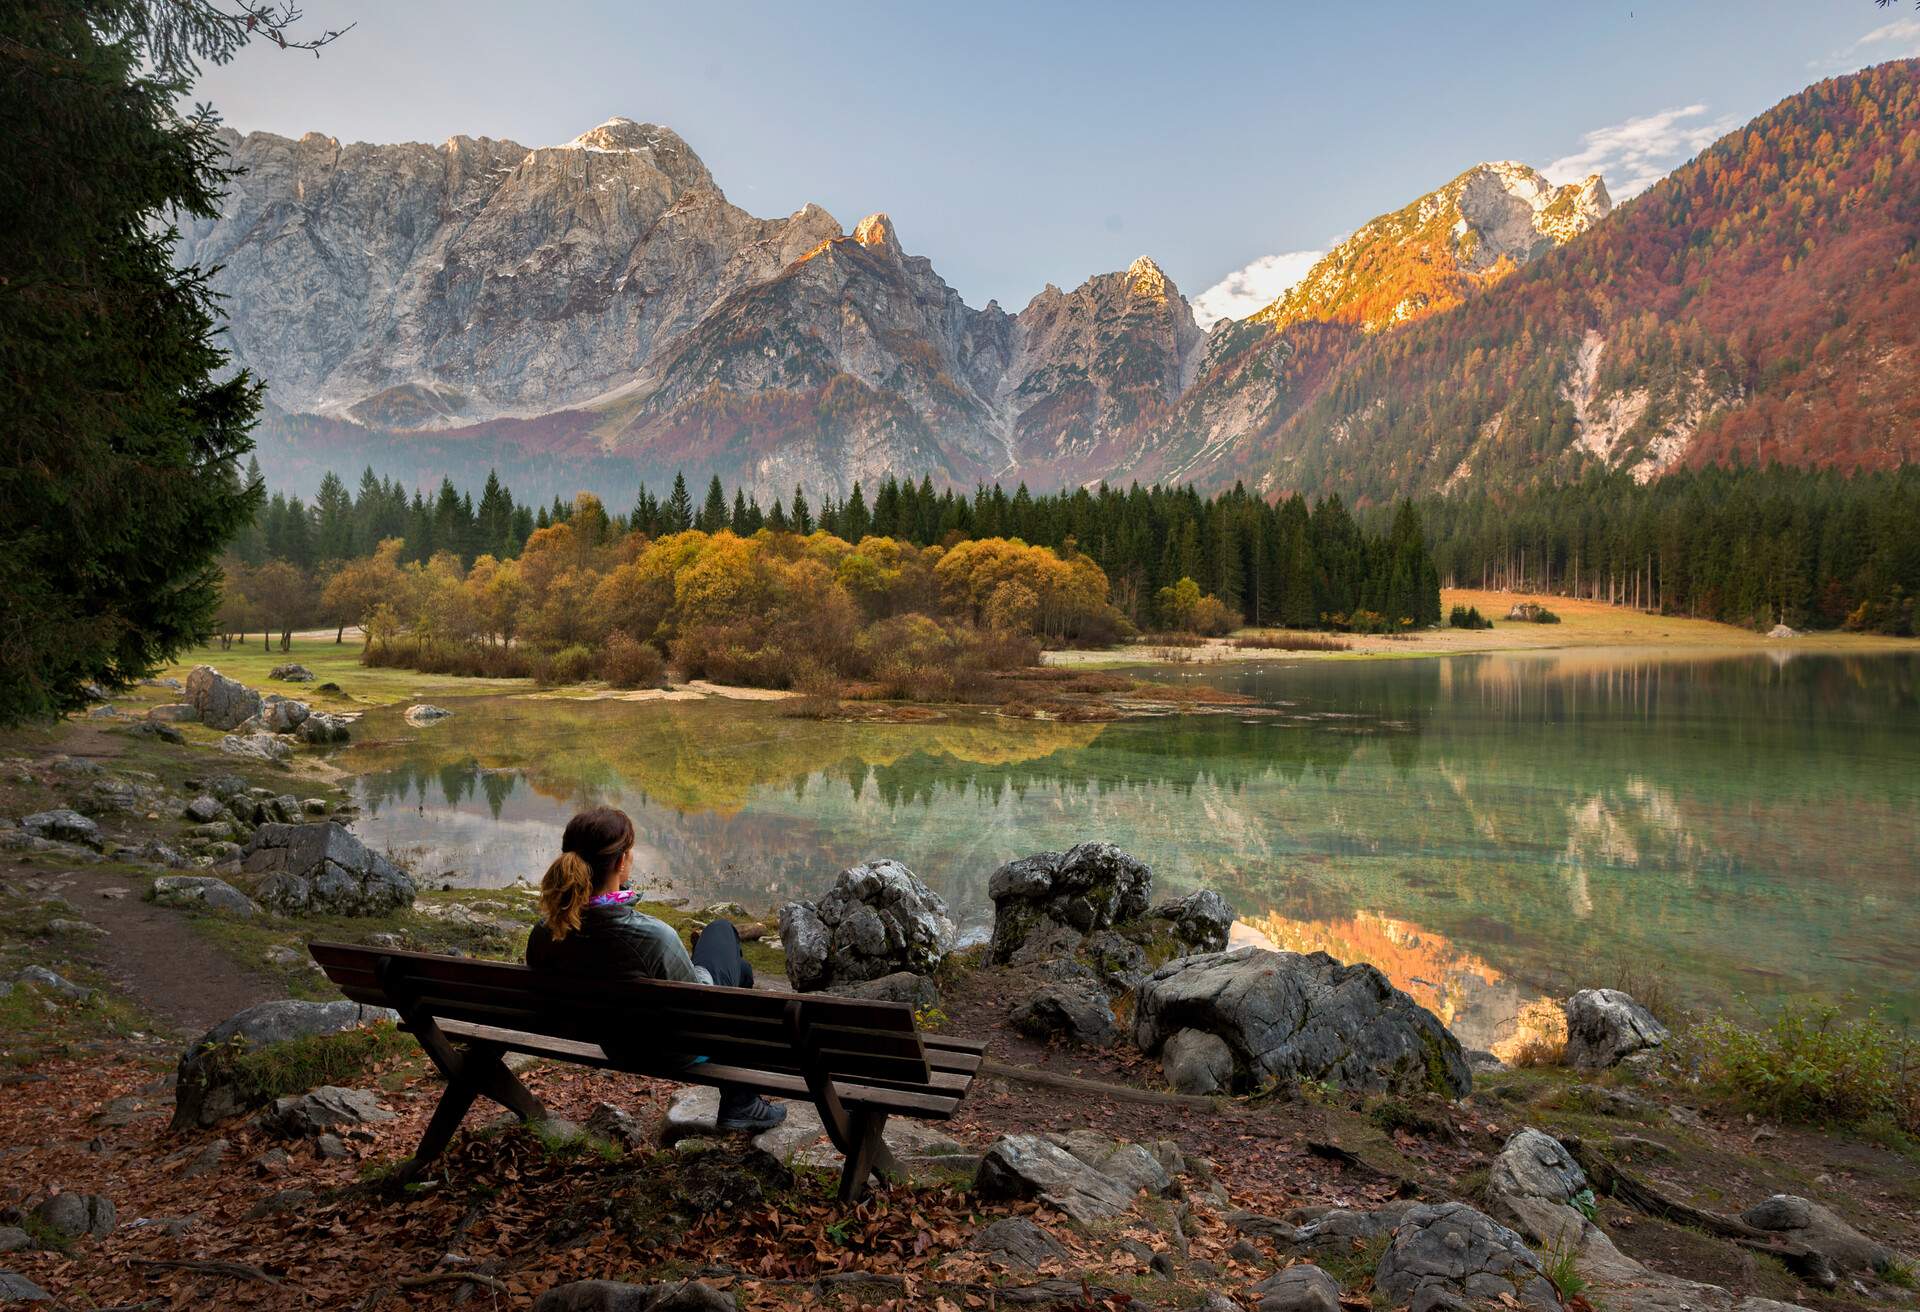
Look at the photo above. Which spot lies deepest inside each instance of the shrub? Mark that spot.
(1292, 642)
(1213, 618)
(465, 660)
(1468, 617)
(568, 665)
(626, 662)
(1811, 1064)
(1539, 1036)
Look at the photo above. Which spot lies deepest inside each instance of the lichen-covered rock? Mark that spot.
(1533, 1164)
(1030, 1166)
(426, 714)
(877, 919)
(202, 891)
(1195, 1061)
(916, 991)
(1013, 1243)
(1606, 1025)
(283, 714)
(62, 825)
(1202, 920)
(329, 1107)
(1288, 1016)
(1301, 1288)
(1455, 1251)
(49, 981)
(206, 1090)
(305, 868)
(255, 746)
(1086, 889)
(292, 672)
(222, 703)
(74, 1215)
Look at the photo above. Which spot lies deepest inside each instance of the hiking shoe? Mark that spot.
(756, 1116)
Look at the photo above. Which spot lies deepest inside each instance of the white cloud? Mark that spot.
(1255, 287)
(1637, 153)
(1899, 39)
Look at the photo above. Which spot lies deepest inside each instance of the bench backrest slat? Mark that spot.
(634, 1019)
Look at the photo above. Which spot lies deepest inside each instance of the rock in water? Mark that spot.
(1201, 920)
(321, 727)
(207, 1091)
(1455, 1251)
(323, 868)
(1085, 889)
(1289, 1016)
(222, 703)
(876, 920)
(1606, 1025)
(426, 714)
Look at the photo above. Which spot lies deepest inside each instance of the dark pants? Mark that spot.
(718, 952)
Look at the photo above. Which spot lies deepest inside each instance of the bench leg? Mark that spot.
(477, 1071)
(867, 1154)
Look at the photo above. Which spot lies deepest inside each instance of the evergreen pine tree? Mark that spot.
(713, 515)
(677, 515)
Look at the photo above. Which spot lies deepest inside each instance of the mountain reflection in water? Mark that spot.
(1483, 828)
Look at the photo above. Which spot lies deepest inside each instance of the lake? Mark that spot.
(1483, 828)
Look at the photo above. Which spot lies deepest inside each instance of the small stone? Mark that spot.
(425, 713)
(16, 1288)
(63, 825)
(1301, 1288)
(42, 978)
(330, 1147)
(204, 809)
(326, 1108)
(1195, 1061)
(74, 1215)
(1604, 1026)
(202, 892)
(207, 1161)
(616, 1126)
(292, 672)
(13, 1239)
(314, 806)
(1015, 1243)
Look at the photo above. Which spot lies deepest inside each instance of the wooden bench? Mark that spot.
(858, 1062)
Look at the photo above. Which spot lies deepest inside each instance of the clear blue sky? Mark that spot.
(1021, 144)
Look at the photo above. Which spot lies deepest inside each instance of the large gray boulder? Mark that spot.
(202, 892)
(1822, 1230)
(1454, 1251)
(1288, 1016)
(877, 919)
(73, 1215)
(293, 672)
(1086, 889)
(1606, 1025)
(322, 868)
(222, 703)
(207, 1091)
(1201, 920)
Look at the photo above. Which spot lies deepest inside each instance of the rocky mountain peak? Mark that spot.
(877, 230)
(617, 134)
(1146, 281)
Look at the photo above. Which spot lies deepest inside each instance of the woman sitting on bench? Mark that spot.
(591, 929)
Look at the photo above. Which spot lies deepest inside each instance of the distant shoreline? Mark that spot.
(1583, 625)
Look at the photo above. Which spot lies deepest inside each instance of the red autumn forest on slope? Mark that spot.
(1761, 304)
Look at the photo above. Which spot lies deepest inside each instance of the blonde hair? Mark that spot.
(591, 849)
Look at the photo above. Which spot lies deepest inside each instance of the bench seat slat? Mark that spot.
(932, 1103)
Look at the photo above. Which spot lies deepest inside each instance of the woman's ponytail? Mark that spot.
(591, 850)
(564, 891)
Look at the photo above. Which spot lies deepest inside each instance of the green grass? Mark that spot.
(1560, 1270)
(331, 662)
(297, 1065)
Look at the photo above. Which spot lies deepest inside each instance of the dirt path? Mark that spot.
(152, 956)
